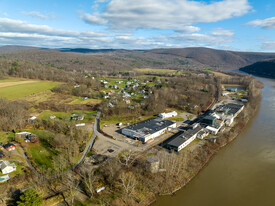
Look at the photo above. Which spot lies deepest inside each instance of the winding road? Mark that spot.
(91, 141)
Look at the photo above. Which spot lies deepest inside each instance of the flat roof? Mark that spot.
(182, 136)
(150, 126)
(233, 108)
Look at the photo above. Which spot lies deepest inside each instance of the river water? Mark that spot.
(243, 172)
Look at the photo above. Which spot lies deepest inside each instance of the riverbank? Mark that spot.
(223, 140)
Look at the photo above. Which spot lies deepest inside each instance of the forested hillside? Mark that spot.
(263, 68)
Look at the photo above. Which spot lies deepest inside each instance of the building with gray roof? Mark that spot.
(148, 129)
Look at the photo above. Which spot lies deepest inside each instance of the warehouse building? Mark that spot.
(148, 129)
(182, 139)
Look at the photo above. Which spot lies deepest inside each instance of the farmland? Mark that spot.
(17, 89)
(155, 71)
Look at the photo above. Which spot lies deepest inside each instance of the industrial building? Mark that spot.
(167, 115)
(148, 129)
(183, 138)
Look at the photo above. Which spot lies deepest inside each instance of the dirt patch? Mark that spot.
(6, 84)
(221, 74)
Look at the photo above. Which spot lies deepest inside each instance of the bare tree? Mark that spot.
(127, 182)
(127, 157)
(72, 186)
(89, 179)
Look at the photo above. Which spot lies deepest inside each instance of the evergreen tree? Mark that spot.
(30, 198)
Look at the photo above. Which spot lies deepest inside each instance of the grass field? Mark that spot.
(61, 115)
(155, 71)
(216, 73)
(11, 80)
(42, 152)
(6, 137)
(18, 91)
(80, 100)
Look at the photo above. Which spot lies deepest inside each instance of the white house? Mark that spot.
(167, 115)
(4, 178)
(7, 167)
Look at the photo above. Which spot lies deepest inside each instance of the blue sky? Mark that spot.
(243, 25)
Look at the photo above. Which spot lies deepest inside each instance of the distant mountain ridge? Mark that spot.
(191, 57)
(10, 48)
(262, 68)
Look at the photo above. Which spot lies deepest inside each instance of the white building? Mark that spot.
(181, 139)
(4, 178)
(167, 115)
(212, 130)
(148, 129)
(229, 120)
(7, 167)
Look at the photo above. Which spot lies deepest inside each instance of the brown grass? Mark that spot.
(6, 84)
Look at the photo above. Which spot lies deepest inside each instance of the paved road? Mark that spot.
(91, 141)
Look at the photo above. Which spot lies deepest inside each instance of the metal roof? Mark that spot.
(181, 137)
(149, 126)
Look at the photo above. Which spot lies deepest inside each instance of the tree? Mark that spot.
(30, 198)
(127, 157)
(89, 179)
(127, 182)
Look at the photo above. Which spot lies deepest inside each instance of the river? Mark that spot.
(243, 172)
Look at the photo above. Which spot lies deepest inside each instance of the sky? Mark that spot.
(240, 25)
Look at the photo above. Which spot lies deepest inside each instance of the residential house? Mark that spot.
(4, 178)
(77, 117)
(10, 147)
(7, 167)
(26, 136)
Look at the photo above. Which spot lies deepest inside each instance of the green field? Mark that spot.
(155, 71)
(42, 152)
(18, 91)
(61, 115)
(11, 80)
(6, 137)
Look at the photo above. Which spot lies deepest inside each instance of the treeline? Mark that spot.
(13, 115)
(31, 70)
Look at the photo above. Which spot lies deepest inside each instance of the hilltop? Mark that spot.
(119, 59)
(262, 68)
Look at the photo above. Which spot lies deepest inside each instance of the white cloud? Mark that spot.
(268, 46)
(188, 29)
(268, 23)
(94, 18)
(163, 14)
(24, 33)
(202, 39)
(10, 25)
(222, 32)
(35, 14)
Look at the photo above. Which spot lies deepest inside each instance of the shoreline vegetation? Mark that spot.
(223, 140)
